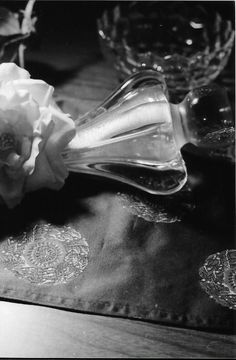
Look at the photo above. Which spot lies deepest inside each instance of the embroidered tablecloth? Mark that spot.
(102, 247)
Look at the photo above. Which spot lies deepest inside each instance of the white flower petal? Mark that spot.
(25, 148)
(44, 125)
(17, 122)
(9, 97)
(62, 135)
(62, 121)
(43, 176)
(10, 71)
(40, 130)
(29, 164)
(39, 90)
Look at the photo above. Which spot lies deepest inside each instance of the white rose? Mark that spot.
(33, 134)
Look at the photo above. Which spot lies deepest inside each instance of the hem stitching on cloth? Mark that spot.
(116, 309)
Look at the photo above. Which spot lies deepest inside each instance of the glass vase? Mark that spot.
(136, 134)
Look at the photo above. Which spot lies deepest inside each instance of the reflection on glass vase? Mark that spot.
(135, 135)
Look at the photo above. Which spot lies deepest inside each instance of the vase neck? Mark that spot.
(178, 121)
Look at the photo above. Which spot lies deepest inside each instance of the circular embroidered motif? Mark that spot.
(145, 210)
(46, 254)
(218, 277)
(167, 209)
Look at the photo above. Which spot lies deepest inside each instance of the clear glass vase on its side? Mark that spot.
(135, 135)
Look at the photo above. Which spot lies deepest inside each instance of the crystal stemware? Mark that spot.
(186, 42)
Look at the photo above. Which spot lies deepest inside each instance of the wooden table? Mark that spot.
(41, 332)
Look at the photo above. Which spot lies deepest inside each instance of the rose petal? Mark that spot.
(9, 97)
(30, 111)
(63, 133)
(43, 176)
(10, 71)
(40, 90)
(9, 22)
(62, 120)
(41, 132)
(43, 128)
(17, 123)
(50, 170)
(29, 165)
(25, 148)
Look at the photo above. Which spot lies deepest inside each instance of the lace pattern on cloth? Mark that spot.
(169, 209)
(218, 277)
(46, 254)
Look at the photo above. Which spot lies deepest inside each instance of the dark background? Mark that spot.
(67, 20)
(65, 28)
(70, 22)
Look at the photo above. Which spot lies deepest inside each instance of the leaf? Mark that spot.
(9, 46)
(14, 29)
(9, 22)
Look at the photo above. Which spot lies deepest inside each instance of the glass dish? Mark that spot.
(188, 44)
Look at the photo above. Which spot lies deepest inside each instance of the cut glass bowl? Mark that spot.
(186, 43)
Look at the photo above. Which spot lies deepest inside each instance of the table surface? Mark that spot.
(39, 331)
